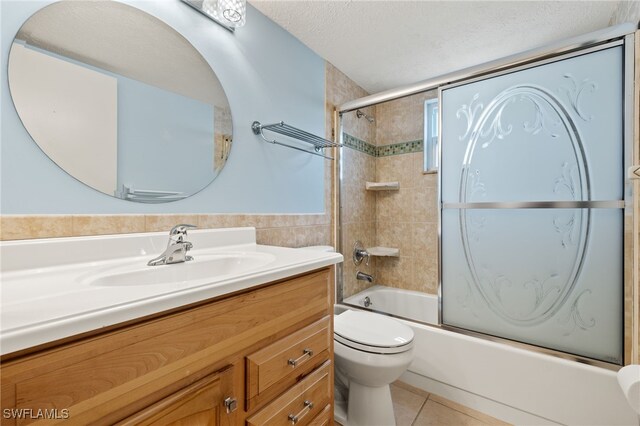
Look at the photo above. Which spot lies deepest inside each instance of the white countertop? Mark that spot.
(46, 291)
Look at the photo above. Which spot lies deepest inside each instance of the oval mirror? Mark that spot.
(120, 100)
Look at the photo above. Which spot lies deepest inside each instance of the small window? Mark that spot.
(431, 135)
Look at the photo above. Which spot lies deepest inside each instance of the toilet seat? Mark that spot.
(370, 332)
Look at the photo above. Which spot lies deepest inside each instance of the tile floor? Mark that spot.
(415, 407)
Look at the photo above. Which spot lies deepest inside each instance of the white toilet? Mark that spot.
(371, 351)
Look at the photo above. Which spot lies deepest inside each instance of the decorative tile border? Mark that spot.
(399, 148)
(358, 144)
(382, 150)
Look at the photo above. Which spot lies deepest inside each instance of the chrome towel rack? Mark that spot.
(293, 132)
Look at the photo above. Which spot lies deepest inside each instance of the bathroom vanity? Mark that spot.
(256, 349)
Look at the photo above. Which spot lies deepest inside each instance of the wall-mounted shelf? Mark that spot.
(382, 186)
(383, 251)
(281, 128)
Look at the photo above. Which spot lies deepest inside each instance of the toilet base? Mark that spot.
(340, 412)
(368, 406)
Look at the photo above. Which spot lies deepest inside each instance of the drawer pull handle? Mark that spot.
(295, 418)
(306, 352)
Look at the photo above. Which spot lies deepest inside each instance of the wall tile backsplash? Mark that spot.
(282, 230)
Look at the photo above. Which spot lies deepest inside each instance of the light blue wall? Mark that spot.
(268, 76)
(155, 126)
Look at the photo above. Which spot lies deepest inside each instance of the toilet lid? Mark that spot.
(372, 332)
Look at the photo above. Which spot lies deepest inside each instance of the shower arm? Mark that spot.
(360, 114)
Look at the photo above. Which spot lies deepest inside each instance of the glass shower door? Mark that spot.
(532, 205)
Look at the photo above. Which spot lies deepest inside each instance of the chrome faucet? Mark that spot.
(364, 277)
(177, 248)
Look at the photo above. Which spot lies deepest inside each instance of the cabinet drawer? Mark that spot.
(280, 364)
(324, 417)
(300, 404)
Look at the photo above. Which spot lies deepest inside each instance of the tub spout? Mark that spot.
(364, 277)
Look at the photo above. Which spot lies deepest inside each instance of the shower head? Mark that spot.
(361, 114)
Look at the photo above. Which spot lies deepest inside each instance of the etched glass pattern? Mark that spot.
(550, 277)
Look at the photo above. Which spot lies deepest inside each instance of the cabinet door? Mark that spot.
(199, 404)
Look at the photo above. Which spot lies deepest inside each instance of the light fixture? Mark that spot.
(210, 7)
(228, 13)
(233, 12)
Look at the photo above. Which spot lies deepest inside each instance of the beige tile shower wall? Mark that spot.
(358, 216)
(358, 207)
(401, 120)
(408, 218)
(341, 89)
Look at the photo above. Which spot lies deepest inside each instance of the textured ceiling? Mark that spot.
(385, 44)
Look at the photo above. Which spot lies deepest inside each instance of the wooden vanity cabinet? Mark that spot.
(219, 362)
(202, 403)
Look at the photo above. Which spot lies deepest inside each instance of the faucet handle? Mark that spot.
(179, 232)
(360, 253)
(181, 229)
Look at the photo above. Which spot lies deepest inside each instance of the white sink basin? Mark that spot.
(59, 287)
(210, 267)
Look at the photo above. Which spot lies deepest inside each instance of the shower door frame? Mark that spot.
(628, 44)
(623, 34)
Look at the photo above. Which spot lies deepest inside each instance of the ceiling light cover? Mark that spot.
(232, 12)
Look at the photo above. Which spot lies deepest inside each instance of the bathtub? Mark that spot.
(407, 304)
(510, 383)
